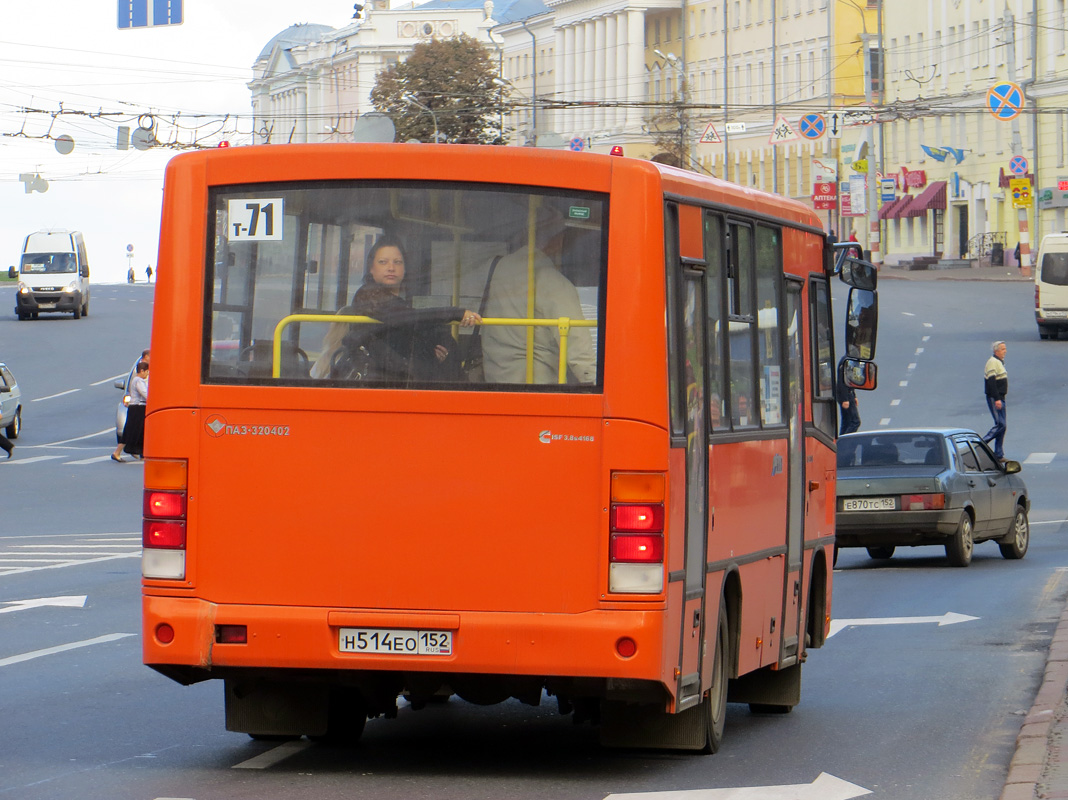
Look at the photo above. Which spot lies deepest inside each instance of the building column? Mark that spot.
(569, 81)
(600, 83)
(611, 58)
(560, 81)
(634, 75)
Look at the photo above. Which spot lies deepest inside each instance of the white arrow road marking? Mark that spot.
(70, 601)
(825, 787)
(949, 618)
(111, 637)
(274, 755)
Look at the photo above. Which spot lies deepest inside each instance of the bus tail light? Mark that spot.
(636, 535)
(923, 502)
(163, 531)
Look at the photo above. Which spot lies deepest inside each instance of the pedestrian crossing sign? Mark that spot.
(711, 135)
(782, 132)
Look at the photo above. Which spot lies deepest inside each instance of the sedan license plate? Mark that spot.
(869, 504)
(395, 642)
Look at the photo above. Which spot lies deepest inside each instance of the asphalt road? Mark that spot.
(910, 710)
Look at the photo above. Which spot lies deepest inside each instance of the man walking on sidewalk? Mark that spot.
(997, 386)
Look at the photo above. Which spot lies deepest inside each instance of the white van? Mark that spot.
(53, 275)
(1051, 285)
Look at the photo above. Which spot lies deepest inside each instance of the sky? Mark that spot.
(67, 70)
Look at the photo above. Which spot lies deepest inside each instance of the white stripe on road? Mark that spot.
(54, 396)
(48, 651)
(93, 460)
(109, 380)
(274, 755)
(1039, 458)
(68, 564)
(78, 438)
(31, 459)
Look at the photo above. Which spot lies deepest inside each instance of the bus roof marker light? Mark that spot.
(617, 150)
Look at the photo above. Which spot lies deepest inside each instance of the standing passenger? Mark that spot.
(133, 432)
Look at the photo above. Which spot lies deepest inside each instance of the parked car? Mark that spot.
(10, 404)
(929, 486)
(1051, 286)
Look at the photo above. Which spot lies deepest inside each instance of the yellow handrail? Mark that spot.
(563, 324)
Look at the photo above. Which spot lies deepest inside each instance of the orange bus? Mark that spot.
(489, 422)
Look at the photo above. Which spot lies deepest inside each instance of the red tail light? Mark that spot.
(163, 531)
(636, 548)
(636, 533)
(168, 534)
(638, 518)
(923, 502)
(167, 505)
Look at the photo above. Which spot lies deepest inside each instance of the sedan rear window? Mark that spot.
(891, 450)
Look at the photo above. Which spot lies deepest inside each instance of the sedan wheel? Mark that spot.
(1021, 536)
(959, 548)
(881, 552)
(15, 428)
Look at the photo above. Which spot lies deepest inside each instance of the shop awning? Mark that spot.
(890, 210)
(934, 196)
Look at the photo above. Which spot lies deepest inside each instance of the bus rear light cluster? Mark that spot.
(163, 530)
(636, 536)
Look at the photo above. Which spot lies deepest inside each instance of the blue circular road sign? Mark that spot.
(1018, 165)
(1005, 100)
(577, 144)
(813, 126)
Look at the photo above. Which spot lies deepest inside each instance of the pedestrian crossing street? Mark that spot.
(20, 554)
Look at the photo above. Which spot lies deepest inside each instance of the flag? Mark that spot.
(937, 153)
(956, 152)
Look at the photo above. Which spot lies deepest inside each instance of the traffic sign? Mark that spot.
(782, 132)
(1021, 192)
(813, 126)
(1018, 165)
(1004, 100)
(888, 186)
(149, 13)
(577, 144)
(834, 124)
(710, 136)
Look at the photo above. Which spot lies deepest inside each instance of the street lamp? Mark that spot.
(410, 100)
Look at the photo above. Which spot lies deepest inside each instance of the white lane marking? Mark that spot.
(1039, 458)
(32, 459)
(911, 367)
(919, 350)
(19, 570)
(895, 402)
(70, 547)
(109, 380)
(69, 601)
(825, 787)
(928, 325)
(907, 314)
(78, 438)
(902, 383)
(1032, 523)
(82, 461)
(925, 339)
(949, 618)
(884, 421)
(274, 755)
(48, 651)
(54, 396)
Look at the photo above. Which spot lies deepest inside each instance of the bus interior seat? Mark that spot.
(256, 360)
(880, 455)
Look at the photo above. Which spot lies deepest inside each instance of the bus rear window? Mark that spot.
(360, 284)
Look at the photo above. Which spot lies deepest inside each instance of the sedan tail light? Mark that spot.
(923, 502)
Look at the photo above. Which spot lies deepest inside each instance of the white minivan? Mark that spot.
(1051, 285)
(53, 275)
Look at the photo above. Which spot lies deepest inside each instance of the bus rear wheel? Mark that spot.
(716, 702)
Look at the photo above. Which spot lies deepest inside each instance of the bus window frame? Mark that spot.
(214, 232)
(825, 421)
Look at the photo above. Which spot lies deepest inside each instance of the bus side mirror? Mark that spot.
(862, 316)
(858, 274)
(11, 273)
(863, 375)
(84, 272)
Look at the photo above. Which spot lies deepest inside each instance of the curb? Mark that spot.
(1038, 748)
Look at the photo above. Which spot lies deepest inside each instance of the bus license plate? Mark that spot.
(869, 504)
(395, 642)
(1050, 313)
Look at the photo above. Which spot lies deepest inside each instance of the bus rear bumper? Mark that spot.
(583, 645)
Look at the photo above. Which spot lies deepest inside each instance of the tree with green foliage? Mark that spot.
(447, 82)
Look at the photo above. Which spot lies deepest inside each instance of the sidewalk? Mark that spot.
(1039, 769)
(1009, 274)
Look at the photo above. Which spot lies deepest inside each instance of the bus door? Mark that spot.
(696, 429)
(792, 628)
